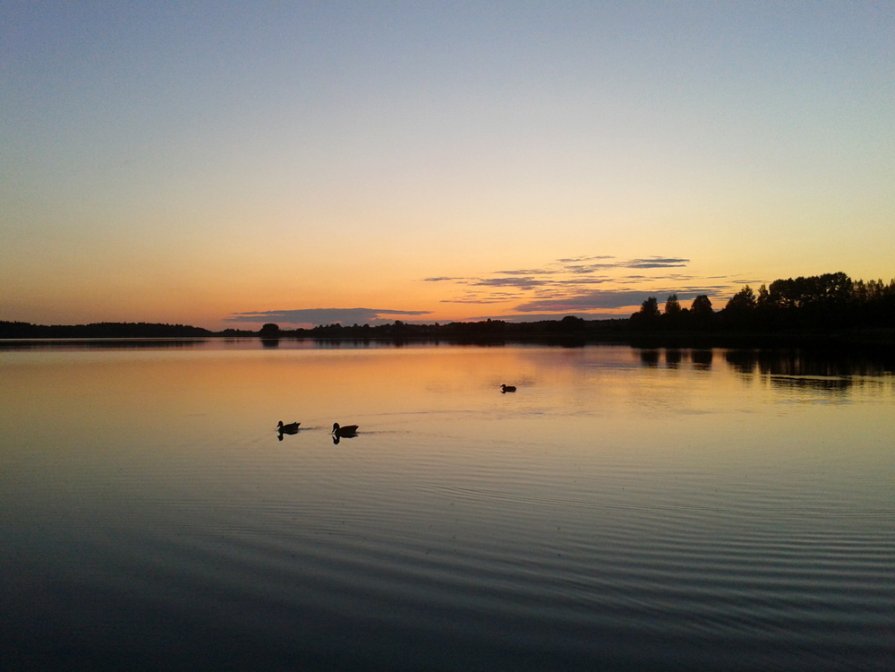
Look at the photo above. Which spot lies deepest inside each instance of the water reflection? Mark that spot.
(673, 357)
(816, 370)
(833, 372)
(649, 357)
(702, 359)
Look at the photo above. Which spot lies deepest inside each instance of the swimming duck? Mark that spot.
(347, 430)
(291, 428)
(507, 388)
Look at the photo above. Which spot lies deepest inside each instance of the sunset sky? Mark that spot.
(229, 164)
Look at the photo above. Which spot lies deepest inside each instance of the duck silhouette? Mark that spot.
(346, 432)
(291, 428)
(507, 388)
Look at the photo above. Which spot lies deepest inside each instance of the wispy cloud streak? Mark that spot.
(325, 315)
(657, 262)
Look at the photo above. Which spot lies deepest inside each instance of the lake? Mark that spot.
(624, 509)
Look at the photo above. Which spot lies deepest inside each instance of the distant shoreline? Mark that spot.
(567, 332)
(826, 311)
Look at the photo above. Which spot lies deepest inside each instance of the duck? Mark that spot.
(347, 430)
(507, 388)
(291, 428)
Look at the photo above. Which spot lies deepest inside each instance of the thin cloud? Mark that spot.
(657, 262)
(523, 282)
(528, 271)
(324, 315)
(585, 269)
(585, 265)
(485, 297)
(691, 292)
(475, 300)
(577, 260)
(583, 281)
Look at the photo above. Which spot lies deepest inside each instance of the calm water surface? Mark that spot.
(623, 510)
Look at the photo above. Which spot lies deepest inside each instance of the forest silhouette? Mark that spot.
(813, 304)
(830, 308)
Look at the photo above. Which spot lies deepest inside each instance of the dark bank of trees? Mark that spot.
(699, 317)
(829, 307)
(824, 304)
(569, 329)
(101, 330)
(832, 300)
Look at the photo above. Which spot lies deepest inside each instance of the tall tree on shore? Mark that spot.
(743, 301)
(701, 307)
(672, 306)
(649, 309)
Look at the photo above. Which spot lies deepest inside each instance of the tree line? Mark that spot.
(101, 330)
(790, 309)
(818, 302)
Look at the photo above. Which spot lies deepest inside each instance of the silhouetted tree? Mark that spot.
(741, 309)
(701, 307)
(648, 315)
(742, 302)
(701, 316)
(672, 306)
(649, 309)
